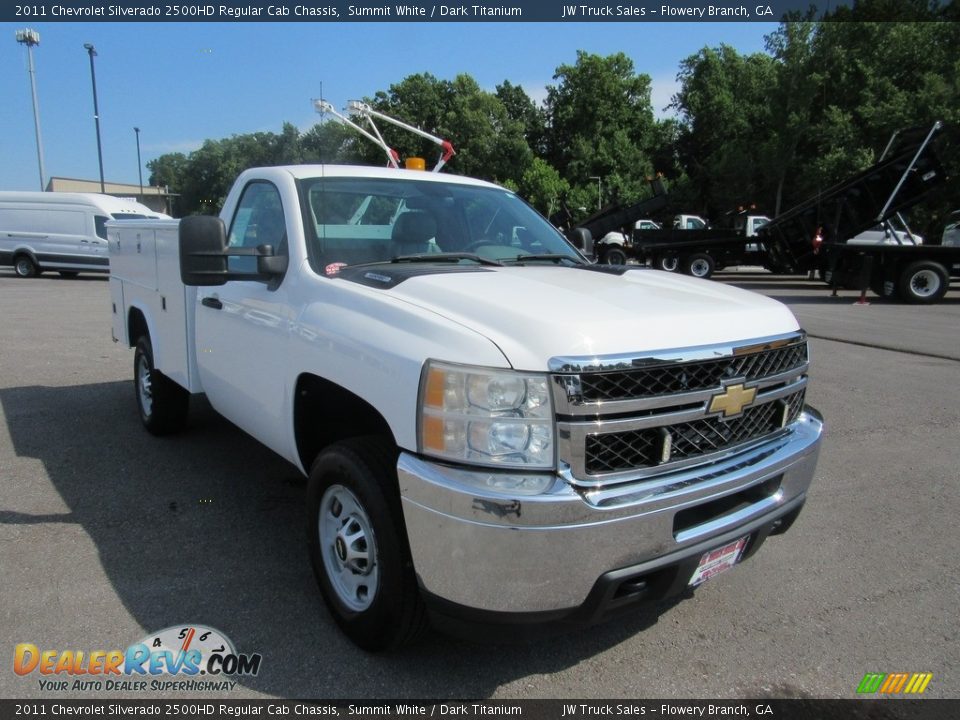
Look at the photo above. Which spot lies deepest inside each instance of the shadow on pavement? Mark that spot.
(207, 527)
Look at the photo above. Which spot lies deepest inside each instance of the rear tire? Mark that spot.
(923, 282)
(25, 267)
(667, 262)
(358, 544)
(699, 265)
(881, 287)
(163, 404)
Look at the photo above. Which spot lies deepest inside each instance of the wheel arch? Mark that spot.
(139, 323)
(325, 412)
(25, 250)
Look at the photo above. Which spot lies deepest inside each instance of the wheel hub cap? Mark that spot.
(348, 548)
(146, 387)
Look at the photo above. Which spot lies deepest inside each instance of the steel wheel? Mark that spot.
(700, 265)
(145, 386)
(670, 263)
(24, 266)
(615, 256)
(925, 284)
(358, 544)
(162, 403)
(349, 548)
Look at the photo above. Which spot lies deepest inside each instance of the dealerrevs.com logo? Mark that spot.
(183, 657)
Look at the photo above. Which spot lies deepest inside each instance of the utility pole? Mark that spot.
(30, 38)
(91, 50)
(139, 164)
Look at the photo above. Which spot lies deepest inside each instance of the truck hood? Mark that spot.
(536, 313)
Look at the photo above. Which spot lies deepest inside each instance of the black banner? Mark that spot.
(756, 709)
(366, 11)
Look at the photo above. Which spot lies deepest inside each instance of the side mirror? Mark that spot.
(582, 240)
(204, 254)
(268, 264)
(203, 240)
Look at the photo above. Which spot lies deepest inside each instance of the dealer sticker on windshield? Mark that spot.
(717, 561)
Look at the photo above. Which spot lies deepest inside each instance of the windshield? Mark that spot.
(350, 221)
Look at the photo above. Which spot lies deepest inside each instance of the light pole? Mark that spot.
(30, 38)
(599, 180)
(139, 164)
(91, 50)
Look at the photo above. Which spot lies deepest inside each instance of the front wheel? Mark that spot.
(614, 256)
(923, 282)
(358, 545)
(163, 404)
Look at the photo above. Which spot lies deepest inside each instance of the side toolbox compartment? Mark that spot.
(145, 281)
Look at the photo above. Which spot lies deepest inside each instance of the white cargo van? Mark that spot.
(61, 231)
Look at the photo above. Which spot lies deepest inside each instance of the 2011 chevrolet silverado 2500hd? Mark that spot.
(493, 428)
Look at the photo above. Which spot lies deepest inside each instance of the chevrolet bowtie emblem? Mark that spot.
(732, 400)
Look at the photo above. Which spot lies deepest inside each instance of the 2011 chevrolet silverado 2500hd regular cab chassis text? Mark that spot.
(495, 430)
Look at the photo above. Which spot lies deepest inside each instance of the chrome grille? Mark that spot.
(620, 418)
(616, 452)
(685, 377)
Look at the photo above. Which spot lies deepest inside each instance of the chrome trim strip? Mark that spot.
(597, 426)
(576, 475)
(634, 361)
(611, 407)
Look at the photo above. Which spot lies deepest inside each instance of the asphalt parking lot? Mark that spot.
(107, 533)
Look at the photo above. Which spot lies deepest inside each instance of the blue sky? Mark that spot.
(182, 83)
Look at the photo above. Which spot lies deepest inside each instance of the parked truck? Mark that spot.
(613, 227)
(852, 234)
(692, 246)
(907, 171)
(495, 431)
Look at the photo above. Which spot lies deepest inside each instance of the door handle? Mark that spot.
(212, 302)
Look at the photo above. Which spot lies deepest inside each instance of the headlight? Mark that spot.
(485, 416)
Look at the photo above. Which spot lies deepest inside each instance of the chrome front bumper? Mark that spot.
(501, 553)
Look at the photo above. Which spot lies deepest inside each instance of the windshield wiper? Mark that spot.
(444, 257)
(554, 257)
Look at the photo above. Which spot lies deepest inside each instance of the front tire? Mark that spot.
(358, 545)
(25, 267)
(614, 256)
(163, 404)
(923, 282)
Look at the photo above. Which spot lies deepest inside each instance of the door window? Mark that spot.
(258, 220)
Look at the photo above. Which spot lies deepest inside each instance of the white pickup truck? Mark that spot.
(494, 429)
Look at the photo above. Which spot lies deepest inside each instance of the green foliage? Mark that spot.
(601, 125)
(489, 141)
(768, 128)
(543, 187)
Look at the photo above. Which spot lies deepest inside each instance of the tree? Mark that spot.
(489, 142)
(521, 108)
(600, 124)
(725, 113)
(542, 186)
